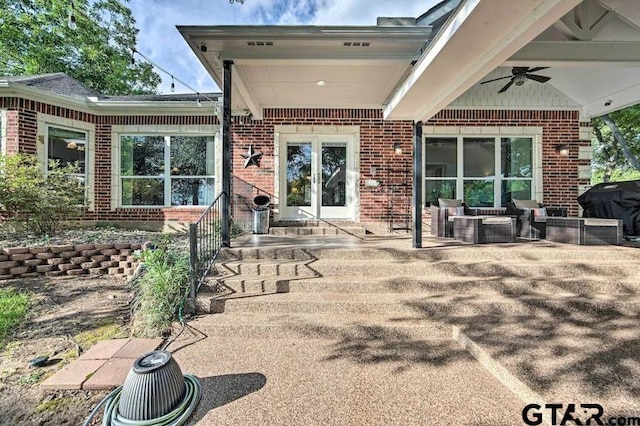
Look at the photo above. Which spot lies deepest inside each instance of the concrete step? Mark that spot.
(315, 223)
(391, 268)
(280, 268)
(433, 283)
(317, 231)
(532, 252)
(461, 305)
(319, 326)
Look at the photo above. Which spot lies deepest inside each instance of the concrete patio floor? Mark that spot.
(455, 334)
(562, 339)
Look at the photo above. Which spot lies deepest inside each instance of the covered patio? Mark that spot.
(421, 71)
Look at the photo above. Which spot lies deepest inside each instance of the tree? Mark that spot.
(617, 148)
(36, 38)
(40, 201)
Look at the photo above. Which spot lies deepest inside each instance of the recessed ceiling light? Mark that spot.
(321, 83)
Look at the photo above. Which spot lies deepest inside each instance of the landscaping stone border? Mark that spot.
(92, 259)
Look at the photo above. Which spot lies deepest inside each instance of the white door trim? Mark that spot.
(349, 134)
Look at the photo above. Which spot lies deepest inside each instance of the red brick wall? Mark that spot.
(22, 135)
(377, 138)
(560, 174)
(12, 132)
(24, 121)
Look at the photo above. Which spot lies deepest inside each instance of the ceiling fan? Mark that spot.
(520, 75)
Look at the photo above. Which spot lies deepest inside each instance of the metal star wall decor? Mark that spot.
(252, 157)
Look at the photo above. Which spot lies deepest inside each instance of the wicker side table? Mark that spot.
(484, 229)
(584, 231)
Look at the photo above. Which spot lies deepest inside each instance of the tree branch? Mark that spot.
(633, 161)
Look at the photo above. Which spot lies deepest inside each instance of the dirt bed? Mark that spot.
(67, 316)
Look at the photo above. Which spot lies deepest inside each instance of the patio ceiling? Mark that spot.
(591, 46)
(282, 66)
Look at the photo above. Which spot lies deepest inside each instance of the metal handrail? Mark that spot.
(205, 243)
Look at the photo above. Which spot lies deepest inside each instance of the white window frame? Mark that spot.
(460, 133)
(44, 122)
(84, 175)
(3, 132)
(166, 176)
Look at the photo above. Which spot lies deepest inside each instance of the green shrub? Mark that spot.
(41, 201)
(13, 309)
(160, 291)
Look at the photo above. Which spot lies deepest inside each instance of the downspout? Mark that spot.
(226, 155)
(417, 185)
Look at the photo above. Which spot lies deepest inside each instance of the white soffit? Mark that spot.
(628, 9)
(280, 66)
(601, 74)
(479, 36)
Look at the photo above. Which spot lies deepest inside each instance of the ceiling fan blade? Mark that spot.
(537, 69)
(506, 87)
(538, 78)
(496, 79)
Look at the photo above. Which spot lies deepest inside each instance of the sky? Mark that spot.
(161, 42)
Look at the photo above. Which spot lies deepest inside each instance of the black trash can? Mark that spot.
(261, 213)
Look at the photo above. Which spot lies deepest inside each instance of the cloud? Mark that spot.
(159, 39)
(365, 12)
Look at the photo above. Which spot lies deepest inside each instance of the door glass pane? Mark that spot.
(299, 174)
(478, 193)
(334, 174)
(518, 189)
(441, 157)
(516, 157)
(479, 157)
(439, 189)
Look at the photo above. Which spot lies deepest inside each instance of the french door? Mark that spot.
(317, 177)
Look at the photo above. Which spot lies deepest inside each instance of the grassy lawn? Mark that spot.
(13, 308)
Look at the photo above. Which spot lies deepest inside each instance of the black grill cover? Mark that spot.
(614, 200)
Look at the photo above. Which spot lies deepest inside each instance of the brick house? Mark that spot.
(348, 118)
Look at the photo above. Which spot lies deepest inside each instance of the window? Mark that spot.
(3, 132)
(166, 170)
(482, 171)
(67, 146)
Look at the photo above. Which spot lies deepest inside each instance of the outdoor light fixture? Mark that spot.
(198, 101)
(203, 48)
(397, 148)
(563, 150)
(321, 83)
(173, 85)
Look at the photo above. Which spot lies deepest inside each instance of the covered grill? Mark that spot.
(615, 200)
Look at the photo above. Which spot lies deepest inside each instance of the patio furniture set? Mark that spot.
(522, 219)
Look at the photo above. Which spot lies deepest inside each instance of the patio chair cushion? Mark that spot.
(454, 211)
(526, 204)
(495, 220)
(600, 222)
(446, 202)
